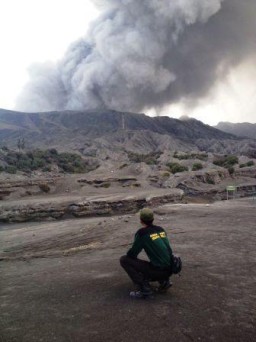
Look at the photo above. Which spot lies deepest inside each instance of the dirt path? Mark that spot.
(61, 281)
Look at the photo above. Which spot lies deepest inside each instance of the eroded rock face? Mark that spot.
(246, 172)
(43, 210)
(26, 187)
(105, 182)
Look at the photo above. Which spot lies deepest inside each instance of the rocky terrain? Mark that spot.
(114, 189)
(82, 154)
(96, 194)
(125, 186)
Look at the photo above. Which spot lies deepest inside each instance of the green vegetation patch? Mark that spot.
(185, 156)
(176, 167)
(43, 160)
(209, 179)
(150, 159)
(197, 166)
(226, 161)
(249, 163)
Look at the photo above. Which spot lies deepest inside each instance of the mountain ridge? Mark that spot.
(108, 129)
(242, 129)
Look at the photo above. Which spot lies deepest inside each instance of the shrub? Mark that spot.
(250, 163)
(219, 162)
(11, 169)
(231, 170)
(200, 156)
(66, 167)
(209, 180)
(182, 156)
(166, 174)
(78, 164)
(44, 187)
(105, 185)
(175, 167)
(150, 159)
(37, 163)
(226, 161)
(46, 169)
(231, 160)
(122, 166)
(53, 151)
(197, 166)
(11, 158)
(38, 159)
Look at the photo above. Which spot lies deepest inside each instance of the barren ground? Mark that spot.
(61, 281)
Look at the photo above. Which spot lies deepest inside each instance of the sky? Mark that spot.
(34, 32)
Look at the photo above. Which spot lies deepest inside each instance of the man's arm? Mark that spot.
(167, 242)
(136, 247)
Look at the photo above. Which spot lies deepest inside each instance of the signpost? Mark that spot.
(231, 189)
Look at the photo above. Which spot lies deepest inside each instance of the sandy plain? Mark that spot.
(61, 281)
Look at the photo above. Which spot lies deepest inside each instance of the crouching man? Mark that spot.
(154, 241)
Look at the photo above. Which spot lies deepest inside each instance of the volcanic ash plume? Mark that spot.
(146, 54)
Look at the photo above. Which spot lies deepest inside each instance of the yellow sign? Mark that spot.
(231, 188)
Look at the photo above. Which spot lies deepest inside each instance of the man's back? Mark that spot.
(154, 241)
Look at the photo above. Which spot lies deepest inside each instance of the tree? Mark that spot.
(21, 144)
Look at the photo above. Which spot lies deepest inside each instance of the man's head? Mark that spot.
(146, 216)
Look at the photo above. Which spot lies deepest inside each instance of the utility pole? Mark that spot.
(123, 122)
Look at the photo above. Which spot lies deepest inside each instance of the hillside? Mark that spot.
(244, 129)
(95, 132)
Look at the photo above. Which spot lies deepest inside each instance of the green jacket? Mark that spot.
(154, 241)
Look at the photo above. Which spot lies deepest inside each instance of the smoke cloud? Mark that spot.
(146, 54)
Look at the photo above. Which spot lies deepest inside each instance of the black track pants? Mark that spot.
(141, 271)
